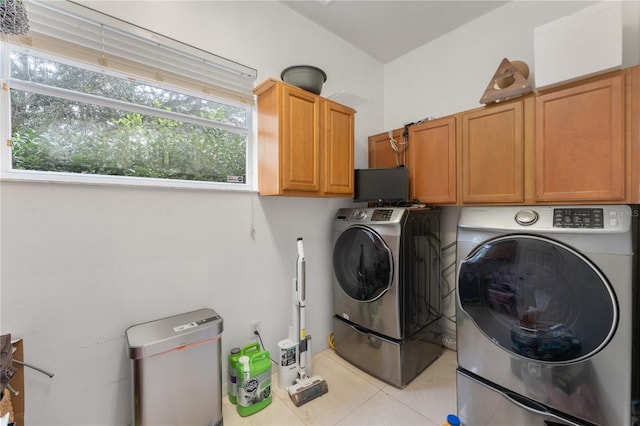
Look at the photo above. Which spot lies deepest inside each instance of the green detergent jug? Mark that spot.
(232, 379)
(254, 383)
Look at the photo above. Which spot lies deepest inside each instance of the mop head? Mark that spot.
(307, 389)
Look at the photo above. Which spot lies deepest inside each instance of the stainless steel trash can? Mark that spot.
(177, 370)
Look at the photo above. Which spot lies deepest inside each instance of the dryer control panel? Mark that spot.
(579, 218)
(565, 219)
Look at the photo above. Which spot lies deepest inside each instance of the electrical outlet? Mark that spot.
(253, 327)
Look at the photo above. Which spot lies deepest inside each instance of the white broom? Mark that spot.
(305, 388)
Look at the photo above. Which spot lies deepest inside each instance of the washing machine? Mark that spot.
(544, 315)
(386, 290)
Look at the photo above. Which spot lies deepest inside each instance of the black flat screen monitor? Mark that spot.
(382, 186)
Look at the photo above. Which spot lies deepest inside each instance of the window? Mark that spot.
(99, 104)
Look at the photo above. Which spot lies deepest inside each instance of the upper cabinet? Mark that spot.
(574, 144)
(492, 154)
(432, 164)
(337, 131)
(305, 143)
(385, 152)
(580, 142)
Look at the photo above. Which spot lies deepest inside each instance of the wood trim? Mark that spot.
(633, 135)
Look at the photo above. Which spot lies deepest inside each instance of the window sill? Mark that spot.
(81, 179)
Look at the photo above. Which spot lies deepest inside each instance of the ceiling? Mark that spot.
(387, 29)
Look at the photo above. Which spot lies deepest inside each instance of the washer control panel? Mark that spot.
(369, 215)
(381, 215)
(580, 218)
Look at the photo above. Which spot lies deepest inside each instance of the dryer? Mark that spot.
(386, 290)
(544, 315)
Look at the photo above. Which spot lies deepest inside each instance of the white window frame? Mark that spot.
(244, 95)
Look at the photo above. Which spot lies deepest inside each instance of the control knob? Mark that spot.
(360, 214)
(526, 217)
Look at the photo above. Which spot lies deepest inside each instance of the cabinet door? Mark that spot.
(432, 166)
(381, 152)
(493, 154)
(300, 149)
(338, 148)
(580, 146)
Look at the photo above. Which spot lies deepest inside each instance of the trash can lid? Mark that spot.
(154, 337)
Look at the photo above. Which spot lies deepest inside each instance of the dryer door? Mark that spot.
(537, 298)
(362, 263)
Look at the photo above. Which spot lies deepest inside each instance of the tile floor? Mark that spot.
(356, 398)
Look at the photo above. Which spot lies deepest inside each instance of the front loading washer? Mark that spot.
(544, 315)
(386, 290)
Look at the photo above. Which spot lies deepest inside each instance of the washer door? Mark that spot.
(362, 263)
(538, 298)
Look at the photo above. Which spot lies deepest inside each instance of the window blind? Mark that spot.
(80, 33)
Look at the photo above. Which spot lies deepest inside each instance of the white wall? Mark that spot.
(450, 75)
(82, 263)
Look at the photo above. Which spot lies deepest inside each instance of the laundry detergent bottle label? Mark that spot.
(254, 383)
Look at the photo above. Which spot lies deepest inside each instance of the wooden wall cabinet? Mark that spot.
(568, 145)
(381, 152)
(580, 142)
(305, 143)
(492, 154)
(432, 164)
(338, 140)
(574, 144)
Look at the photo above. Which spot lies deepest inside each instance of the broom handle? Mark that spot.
(300, 273)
